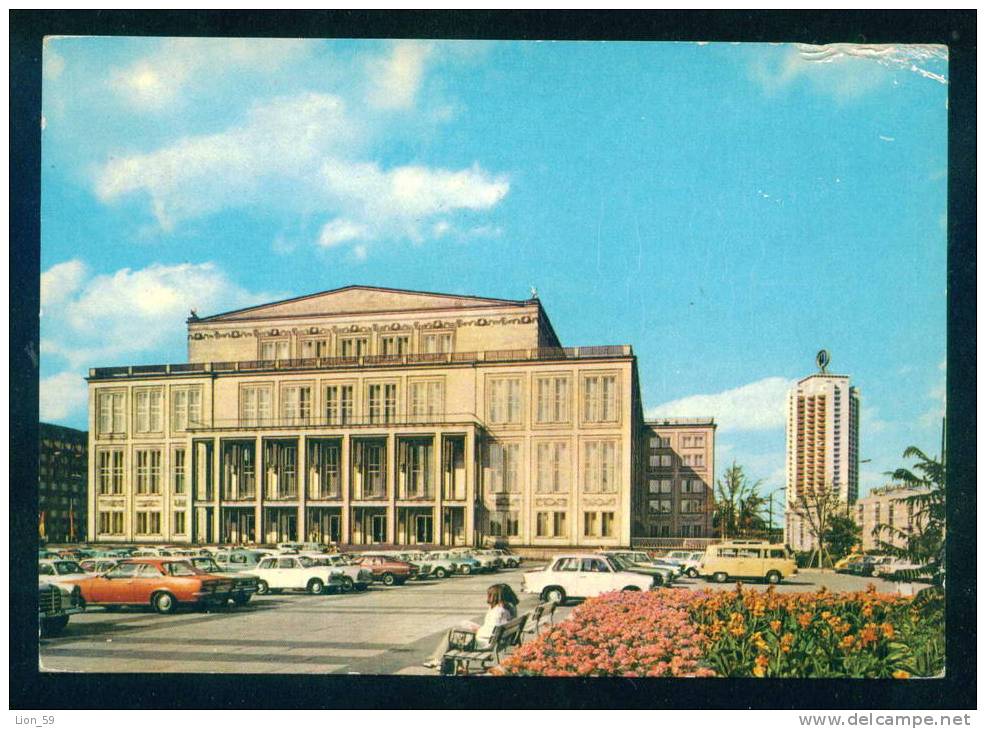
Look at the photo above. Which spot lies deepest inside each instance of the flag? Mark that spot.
(41, 525)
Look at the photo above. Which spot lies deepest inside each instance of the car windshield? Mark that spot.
(182, 569)
(68, 568)
(206, 564)
(307, 561)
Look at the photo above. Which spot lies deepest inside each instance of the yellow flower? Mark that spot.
(804, 620)
(760, 666)
(847, 642)
(775, 625)
(901, 674)
(787, 640)
(888, 631)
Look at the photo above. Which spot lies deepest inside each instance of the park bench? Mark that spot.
(459, 660)
(542, 614)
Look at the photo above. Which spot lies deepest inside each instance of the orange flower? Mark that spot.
(787, 640)
(867, 610)
(760, 666)
(888, 631)
(901, 674)
(868, 634)
(847, 642)
(804, 620)
(775, 625)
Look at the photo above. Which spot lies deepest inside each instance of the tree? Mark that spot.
(739, 505)
(924, 544)
(842, 535)
(816, 508)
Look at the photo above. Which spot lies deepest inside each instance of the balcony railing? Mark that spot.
(377, 360)
(335, 423)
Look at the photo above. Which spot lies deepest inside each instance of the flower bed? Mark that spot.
(738, 634)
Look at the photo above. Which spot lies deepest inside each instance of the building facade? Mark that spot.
(675, 497)
(369, 416)
(62, 492)
(886, 505)
(822, 447)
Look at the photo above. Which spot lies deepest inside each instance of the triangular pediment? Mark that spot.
(359, 300)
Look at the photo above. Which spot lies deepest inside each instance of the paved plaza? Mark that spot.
(381, 631)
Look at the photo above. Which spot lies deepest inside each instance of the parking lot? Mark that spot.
(386, 630)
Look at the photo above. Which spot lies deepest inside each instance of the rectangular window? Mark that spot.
(111, 522)
(438, 343)
(551, 524)
(394, 345)
(414, 469)
(699, 441)
(600, 399)
(686, 441)
(274, 349)
(314, 348)
(552, 399)
(338, 404)
(148, 522)
(186, 408)
(698, 460)
(505, 401)
(112, 418)
(148, 462)
(281, 469)
(666, 461)
(425, 399)
(324, 469)
(369, 470)
(178, 473)
(382, 402)
(255, 405)
(148, 411)
(590, 524)
(599, 467)
(239, 470)
(178, 522)
(354, 347)
(296, 404)
(606, 523)
(504, 462)
(109, 472)
(552, 467)
(504, 523)
(659, 506)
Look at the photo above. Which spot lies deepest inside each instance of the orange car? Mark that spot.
(162, 583)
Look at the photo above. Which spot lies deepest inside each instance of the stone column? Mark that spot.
(302, 487)
(345, 486)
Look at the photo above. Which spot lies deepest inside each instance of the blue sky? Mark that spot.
(727, 209)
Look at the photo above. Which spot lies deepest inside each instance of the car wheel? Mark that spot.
(346, 585)
(164, 602)
(262, 588)
(514, 563)
(241, 599)
(773, 577)
(659, 580)
(362, 587)
(388, 579)
(631, 588)
(315, 586)
(53, 626)
(440, 573)
(465, 569)
(692, 572)
(554, 594)
(719, 577)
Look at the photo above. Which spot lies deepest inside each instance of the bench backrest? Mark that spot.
(508, 634)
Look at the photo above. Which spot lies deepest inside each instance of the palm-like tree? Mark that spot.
(739, 505)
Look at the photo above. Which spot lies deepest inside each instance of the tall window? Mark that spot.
(296, 404)
(148, 463)
(414, 469)
(505, 401)
(425, 399)
(552, 524)
(504, 523)
(186, 408)
(598, 524)
(179, 477)
(552, 399)
(552, 467)
(255, 405)
(439, 342)
(369, 470)
(607, 521)
(395, 344)
(281, 469)
(324, 469)
(111, 522)
(338, 404)
(275, 349)
(178, 522)
(354, 346)
(382, 402)
(599, 467)
(600, 399)
(148, 407)
(112, 417)
(148, 522)
(312, 348)
(659, 506)
(504, 463)
(239, 474)
(109, 471)
(691, 506)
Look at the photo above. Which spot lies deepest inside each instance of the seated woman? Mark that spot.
(502, 602)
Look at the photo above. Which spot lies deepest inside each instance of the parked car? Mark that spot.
(62, 571)
(662, 575)
(387, 570)
(354, 577)
(244, 585)
(845, 564)
(240, 560)
(582, 575)
(294, 572)
(425, 567)
(642, 559)
(886, 569)
(55, 604)
(509, 558)
(487, 563)
(163, 583)
(465, 564)
(747, 559)
(867, 566)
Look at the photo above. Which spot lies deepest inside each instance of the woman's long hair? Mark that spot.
(503, 595)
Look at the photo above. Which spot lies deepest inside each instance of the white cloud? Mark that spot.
(158, 81)
(296, 153)
(61, 281)
(394, 80)
(61, 394)
(109, 316)
(52, 64)
(760, 405)
(870, 420)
